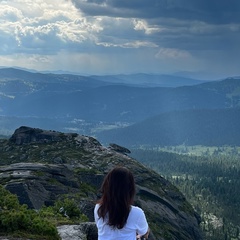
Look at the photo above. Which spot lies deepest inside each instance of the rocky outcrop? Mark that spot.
(118, 148)
(33, 135)
(38, 184)
(83, 231)
(40, 171)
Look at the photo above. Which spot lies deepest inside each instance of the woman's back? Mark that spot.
(114, 214)
(136, 224)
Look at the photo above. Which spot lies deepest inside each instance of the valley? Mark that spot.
(209, 181)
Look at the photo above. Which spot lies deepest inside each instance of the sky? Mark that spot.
(196, 38)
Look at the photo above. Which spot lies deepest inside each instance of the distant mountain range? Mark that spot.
(86, 103)
(138, 79)
(98, 98)
(149, 80)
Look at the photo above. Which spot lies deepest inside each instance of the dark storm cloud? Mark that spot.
(212, 11)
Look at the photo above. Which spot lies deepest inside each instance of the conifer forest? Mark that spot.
(209, 180)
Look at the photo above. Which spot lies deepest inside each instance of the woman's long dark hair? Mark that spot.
(118, 190)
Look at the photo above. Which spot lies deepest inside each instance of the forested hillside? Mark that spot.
(210, 183)
(192, 127)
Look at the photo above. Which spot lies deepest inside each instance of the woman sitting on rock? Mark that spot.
(115, 216)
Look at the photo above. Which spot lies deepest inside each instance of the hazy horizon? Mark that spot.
(188, 75)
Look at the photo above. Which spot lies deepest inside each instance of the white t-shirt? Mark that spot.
(136, 224)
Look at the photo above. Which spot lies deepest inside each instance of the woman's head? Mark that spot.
(118, 190)
(119, 185)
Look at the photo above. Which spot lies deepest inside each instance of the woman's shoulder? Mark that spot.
(136, 214)
(136, 210)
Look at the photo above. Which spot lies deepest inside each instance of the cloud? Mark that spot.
(133, 44)
(171, 24)
(144, 26)
(214, 11)
(121, 35)
(10, 14)
(46, 28)
(171, 53)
